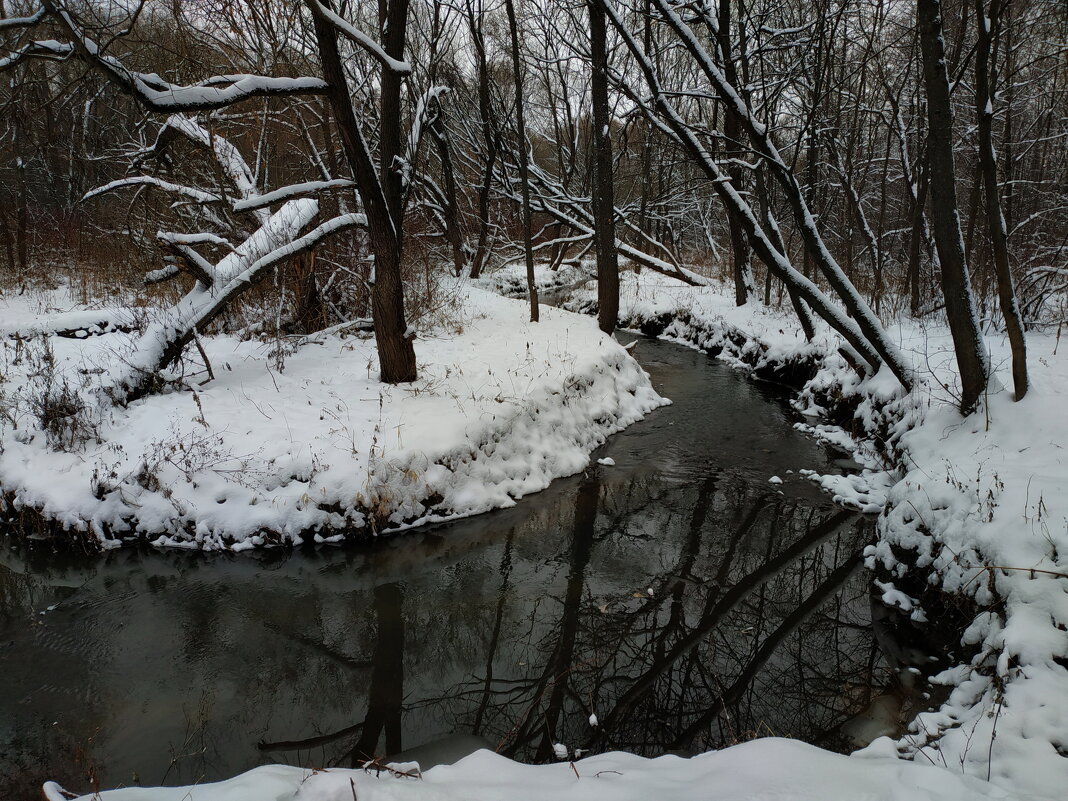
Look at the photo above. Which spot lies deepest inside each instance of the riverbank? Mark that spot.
(973, 511)
(770, 768)
(285, 441)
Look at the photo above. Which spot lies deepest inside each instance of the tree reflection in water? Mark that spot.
(677, 595)
(746, 625)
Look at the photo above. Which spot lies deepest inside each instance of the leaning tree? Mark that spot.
(380, 148)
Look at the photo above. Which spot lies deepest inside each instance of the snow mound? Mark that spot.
(761, 769)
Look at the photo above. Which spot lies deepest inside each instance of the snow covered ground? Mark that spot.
(771, 769)
(274, 450)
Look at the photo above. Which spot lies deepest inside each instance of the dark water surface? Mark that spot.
(678, 596)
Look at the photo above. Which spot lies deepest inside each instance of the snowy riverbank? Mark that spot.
(275, 449)
(756, 771)
(974, 511)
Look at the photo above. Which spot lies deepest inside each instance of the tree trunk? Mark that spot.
(775, 235)
(22, 221)
(956, 285)
(984, 104)
(490, 140)
(524, 167)
(381, 194)
(604, 225)
(448, 178)
(732, 131)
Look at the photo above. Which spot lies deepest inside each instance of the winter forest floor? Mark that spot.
(973, 512)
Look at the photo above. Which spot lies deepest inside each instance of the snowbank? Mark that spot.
(310, 442)
(762, 769)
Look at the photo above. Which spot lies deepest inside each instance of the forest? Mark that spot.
(287, 276)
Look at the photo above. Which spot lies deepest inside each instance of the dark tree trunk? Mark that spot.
(984, 103)
(450, 210)
(919, 240)
(604, 224)
(732, 130)
(22, 221)
(775, 235)
(956, 284)
(9, 241)
(524, 167)
(381, 192)
(490, 140)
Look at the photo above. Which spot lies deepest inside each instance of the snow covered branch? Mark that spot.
(358, 37)
(199, 195)
(149, 89)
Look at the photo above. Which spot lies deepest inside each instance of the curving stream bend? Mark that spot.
(677, 597)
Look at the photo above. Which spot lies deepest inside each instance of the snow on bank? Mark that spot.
(762, 769)
(974, 510)
(262, 454)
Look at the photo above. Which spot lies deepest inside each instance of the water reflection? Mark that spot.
(678, 597)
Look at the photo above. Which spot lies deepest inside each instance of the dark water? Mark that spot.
(678, 595)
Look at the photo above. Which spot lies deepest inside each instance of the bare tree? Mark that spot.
(524, 160)
(604, 211)
(989, 26)
(968, 342)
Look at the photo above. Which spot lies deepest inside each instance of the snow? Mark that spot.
(291, 191)
(362, 39)
(47, 311)
(258, 456)
(771, 768)
(607, 461)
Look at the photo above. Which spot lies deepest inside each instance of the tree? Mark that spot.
(524, 160)
(382, 190)
(604, 211)
(972, 361)
(989, 26)
(861, 329)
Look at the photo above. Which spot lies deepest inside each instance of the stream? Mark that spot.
(674, 601)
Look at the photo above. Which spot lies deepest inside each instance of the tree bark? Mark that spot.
(524, 167)
(604, 225)
(380, 192)
(490, 140)
(732, 131)
(984, 104)
(448, 178)
(968, 342)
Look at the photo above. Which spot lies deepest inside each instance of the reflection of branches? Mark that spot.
(385, 693)
(495, 636)
(715, 612)
(729, 612)
(310, 742)
(560, 661)
(771, 643)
